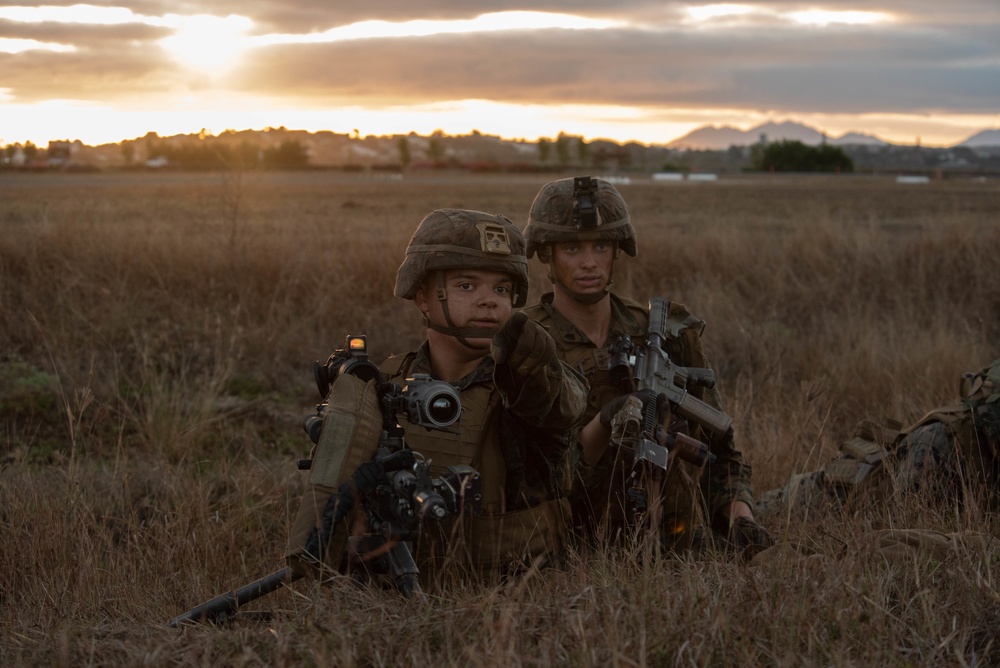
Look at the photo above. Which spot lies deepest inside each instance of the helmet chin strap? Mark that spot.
(463, 334)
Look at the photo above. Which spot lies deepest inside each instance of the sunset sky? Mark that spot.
(624, 70)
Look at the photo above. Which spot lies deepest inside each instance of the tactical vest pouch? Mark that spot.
(863, 450)
(352, 426)
(847, 471)
(949, 416)
(306, 521)
(351, 429)
(877, 432)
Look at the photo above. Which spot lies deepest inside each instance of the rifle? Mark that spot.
(395, 487)
(659, 385)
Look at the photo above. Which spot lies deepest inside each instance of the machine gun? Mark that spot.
(658, 385)
(395, 487)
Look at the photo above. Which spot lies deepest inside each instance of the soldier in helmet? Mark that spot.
(465, 271)
(578, 227)
(950, 454)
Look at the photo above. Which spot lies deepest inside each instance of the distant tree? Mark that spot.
(582, 149)
(128, 152)
(623, 157)
(600, 157)
(435, 147)
(247, 155)
(794, 156)
(833, 159)
(290, 154)
(403, 145)
(562, 149)
(544, 150)
(30, 150)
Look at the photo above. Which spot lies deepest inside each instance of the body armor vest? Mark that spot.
(497, 537)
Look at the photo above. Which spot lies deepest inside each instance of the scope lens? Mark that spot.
(443, 409)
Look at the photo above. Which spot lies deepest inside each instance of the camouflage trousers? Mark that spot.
(925, 462)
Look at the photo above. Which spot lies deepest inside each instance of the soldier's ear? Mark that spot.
(420, 297)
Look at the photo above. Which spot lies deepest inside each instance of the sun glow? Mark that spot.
(726, 13)
(85, 14)
(824, 17)
(493, 22)
(213, 44)
(208, 43)
(8, 45)
(709, 12)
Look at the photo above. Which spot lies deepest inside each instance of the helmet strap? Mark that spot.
(463, 334)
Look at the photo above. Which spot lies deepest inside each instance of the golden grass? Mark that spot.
(157, 332)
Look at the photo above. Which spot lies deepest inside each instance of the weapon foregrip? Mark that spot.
(709, 417)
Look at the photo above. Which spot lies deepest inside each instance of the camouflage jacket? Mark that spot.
(515, 436)
(728, 479)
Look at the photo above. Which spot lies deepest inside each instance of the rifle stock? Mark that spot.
(226, 606)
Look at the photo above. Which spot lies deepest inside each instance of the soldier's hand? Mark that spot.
(369, 475)
(611, 409)
(375, 472)
(748, 538)
(523, 345)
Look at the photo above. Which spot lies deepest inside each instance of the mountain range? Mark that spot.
(711, 137)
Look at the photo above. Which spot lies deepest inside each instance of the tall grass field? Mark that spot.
(156, 337)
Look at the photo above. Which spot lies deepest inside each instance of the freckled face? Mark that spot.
(477, 299)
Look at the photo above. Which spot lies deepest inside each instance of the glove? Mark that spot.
(610, 409)
(748, 538)
(523, 345)
(369, 475)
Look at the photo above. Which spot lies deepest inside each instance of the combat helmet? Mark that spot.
(457, 238)
(583, 208)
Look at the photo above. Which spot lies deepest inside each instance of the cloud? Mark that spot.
(783, 70)
(915, 57)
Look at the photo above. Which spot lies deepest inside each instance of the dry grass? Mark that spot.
(156, 335)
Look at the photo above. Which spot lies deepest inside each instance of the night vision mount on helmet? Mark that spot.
(583, 208)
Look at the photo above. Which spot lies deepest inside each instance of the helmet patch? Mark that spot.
(493, 238)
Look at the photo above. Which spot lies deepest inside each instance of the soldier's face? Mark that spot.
(477, 298)
(583, 267)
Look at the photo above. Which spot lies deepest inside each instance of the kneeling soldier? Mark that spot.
(465, 271)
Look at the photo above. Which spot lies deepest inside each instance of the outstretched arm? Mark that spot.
(535, 385)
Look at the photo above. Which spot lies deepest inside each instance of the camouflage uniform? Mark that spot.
(692, 496)
(949, 453)
(512, 429)
(597, 491)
